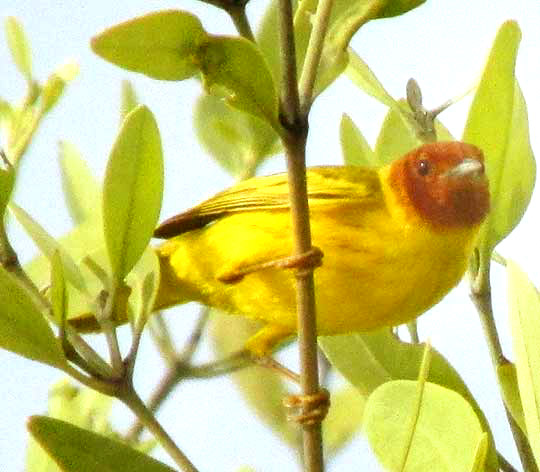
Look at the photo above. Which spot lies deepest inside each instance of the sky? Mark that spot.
(442, 44)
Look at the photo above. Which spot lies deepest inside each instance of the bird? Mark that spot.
(394, 241)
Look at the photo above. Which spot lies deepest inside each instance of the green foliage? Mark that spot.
(132, 190)
(237, 65)
(81, 189)
(23, 329)
(81, 407)
(445, 431)
(54, 87)
(432, 424)
(48, 245)
(525, 323)
(236, 140)
(356, 150)
(7, 182)
(161, 45)
(78, 450)
(59, 299)
(499, 105)
(19, 47)
(370, 360)
(507, 376)
(129, 99)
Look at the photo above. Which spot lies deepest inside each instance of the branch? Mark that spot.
(294, 142)
(481, 296)
(137, 406)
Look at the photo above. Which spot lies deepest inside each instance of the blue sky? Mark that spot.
(443, 45)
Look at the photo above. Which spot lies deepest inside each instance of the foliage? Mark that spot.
(103, 272)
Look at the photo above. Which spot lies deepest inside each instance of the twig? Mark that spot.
(313, 54)
(504, 465)
(137, 406)
(239, 18)
(481, 296)
(294, 141)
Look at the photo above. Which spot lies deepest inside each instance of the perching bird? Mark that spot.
(395, 241)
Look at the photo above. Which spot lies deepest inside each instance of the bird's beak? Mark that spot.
(467, 167)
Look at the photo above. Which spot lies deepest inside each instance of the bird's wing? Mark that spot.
(327, 186)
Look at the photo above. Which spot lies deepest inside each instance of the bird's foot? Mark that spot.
(307, 261)
(307, 410)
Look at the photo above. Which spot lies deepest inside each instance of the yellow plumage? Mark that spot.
(384, 262)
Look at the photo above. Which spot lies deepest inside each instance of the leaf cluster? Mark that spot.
(104, 272)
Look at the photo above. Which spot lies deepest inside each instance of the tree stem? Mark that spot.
(481, 296)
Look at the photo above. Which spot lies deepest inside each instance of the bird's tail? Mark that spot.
(171, 292)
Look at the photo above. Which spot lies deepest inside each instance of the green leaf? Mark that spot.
(395, 138)
(18, 46)
(499, 105)
(398, 134)
(480, 454)
(129, 99)
(162, 45)
(48, 245)
(507, 375)
(344, 419)
(81, 189)
(54, 87)
(78, 450)
(356, 150)
(237, 66)
(262, 389)
(446, 431)
(236, 140)
(524, 304)
(399, 7)
(132, 190)
(82, 407)
(144, 281)
(23, 330)
(58, 290)
(7, 182)
(85, 240)
(268, 37)
(368, 360)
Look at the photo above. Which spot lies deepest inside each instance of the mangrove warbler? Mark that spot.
(395, 241)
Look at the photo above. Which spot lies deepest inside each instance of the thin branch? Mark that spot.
(313, 54)
(137, 406)
(107, 302)
(504, 465)
(240, 20)
(481, 296)
(290, 102)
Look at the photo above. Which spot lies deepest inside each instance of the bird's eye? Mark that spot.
(423, 167)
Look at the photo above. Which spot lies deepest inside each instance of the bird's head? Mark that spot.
(444, 183)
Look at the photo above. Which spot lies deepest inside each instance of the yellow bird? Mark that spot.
(395, 241)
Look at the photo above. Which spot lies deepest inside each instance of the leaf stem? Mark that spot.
(504, 465)
(147, 418)
(105, 320)
(240, 20)
(481, 296)
(313, 54)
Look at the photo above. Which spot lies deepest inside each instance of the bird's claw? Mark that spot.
(307, 410)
